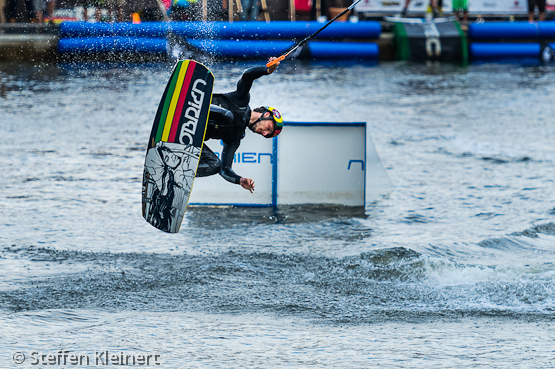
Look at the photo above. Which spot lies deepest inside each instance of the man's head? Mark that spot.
(269, 122)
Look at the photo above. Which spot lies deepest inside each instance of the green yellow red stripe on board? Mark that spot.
(179, 108)
(174, 100)
(161, 119)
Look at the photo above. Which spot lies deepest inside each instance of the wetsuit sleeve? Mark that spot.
(220, 115)
(245, 82)
(227, 160)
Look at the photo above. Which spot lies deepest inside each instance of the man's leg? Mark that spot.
(209, 163)
(247, 5)
(541, 10)
(405, 8)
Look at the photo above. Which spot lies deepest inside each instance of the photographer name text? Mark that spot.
(99, 358)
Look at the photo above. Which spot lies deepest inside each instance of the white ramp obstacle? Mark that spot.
(316, 163)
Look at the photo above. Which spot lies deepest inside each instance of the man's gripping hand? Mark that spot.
(273, 67)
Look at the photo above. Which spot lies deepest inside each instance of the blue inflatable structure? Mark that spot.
(511, 30)
(238, 40)
(326, 50)
(279, 30)
(492, 41)
(503, 30)
(112, 44)
(249, 49)
(482, 51)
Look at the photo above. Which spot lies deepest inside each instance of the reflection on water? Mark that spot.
(229, 216)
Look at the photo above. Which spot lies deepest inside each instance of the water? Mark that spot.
(453, 268)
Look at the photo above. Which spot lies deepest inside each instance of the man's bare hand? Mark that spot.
(247, 184)
(273, 67)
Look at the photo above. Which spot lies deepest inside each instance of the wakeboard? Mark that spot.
(175, 145)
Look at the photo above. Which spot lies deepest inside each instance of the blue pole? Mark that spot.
(274, 171)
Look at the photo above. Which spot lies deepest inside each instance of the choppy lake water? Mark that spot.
(453, 268)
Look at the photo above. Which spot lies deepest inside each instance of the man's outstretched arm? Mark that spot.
(245, 82)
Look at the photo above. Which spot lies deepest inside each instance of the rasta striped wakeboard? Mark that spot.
(175, 145)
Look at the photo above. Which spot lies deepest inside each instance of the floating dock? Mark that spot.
(28, 42)
(364, 41)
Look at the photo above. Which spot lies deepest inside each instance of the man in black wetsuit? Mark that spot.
(229, 117)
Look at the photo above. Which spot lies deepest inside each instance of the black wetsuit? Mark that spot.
(228, 119)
